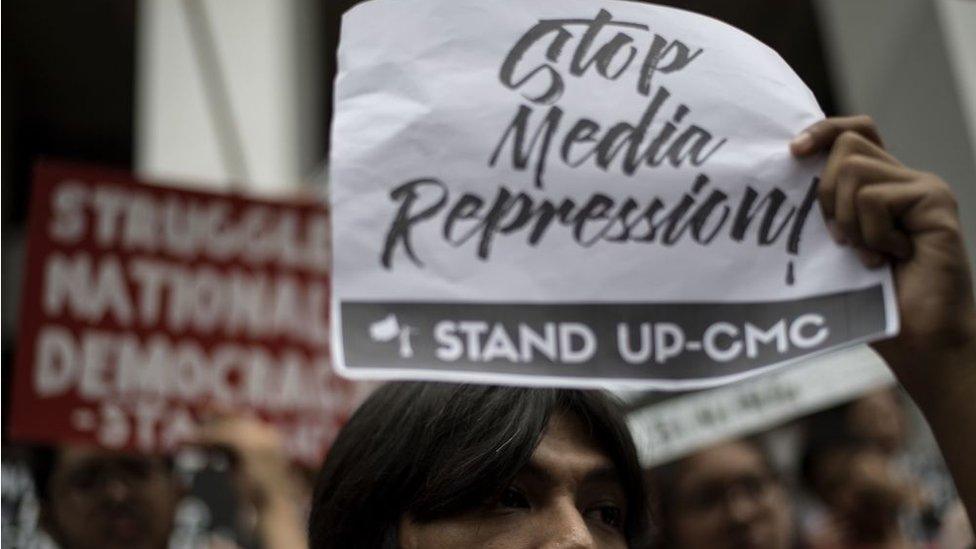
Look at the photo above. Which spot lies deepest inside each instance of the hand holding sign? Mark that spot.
(889, 211)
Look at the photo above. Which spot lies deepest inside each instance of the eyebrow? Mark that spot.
(607, 473)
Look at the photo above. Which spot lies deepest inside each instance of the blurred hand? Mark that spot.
(263, 472)
(891, 213)
(260, 465)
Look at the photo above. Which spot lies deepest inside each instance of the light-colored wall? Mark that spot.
(958, 21)
(893, 60)
(267, 53)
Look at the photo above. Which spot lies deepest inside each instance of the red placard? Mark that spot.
(145, 304)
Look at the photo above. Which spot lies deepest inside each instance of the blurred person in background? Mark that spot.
(884, 420)
(865, 450)
(865, 499)
(90, 497)
(728, 495)
(96, 498)
(878, 418)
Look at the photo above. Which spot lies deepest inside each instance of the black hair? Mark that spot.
(434, 450)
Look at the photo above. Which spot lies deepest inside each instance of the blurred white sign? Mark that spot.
(685, 424)
(573, 192)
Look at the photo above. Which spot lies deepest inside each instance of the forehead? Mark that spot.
(724, 460)
(70, 457)
(568, 448)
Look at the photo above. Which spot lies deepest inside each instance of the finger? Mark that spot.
(215, 430)
(923, 205)
(853, 172)
(204, 437)
(847, 144)
(214, 411)
(895, 213)
(870, 258)
(821, 135)
(836, 191)
(879, 232)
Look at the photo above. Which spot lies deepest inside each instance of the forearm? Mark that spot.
(890, 212)
(280, 524)
(944, 388)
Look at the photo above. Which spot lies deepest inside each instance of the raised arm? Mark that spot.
(891, 213)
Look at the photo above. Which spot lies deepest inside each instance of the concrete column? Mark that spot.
(268, 55)
(958, 21)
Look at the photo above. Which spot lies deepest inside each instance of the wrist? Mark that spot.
(943, 373)
(279, 503)
(281, 523)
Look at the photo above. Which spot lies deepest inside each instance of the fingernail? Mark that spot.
(835, 233)
(801, 143)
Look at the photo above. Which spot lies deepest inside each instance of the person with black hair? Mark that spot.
(441, 465)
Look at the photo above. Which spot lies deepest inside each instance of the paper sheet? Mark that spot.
(576, 192)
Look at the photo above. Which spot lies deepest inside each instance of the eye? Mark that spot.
(512, 498)
(609, 514)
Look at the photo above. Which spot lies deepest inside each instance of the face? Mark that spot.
(110, 500)
(862, 486)
(567, 496)
(878, 417)
(727, 497)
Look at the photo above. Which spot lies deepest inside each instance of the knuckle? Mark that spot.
(866, 121)
(821, 130)
(940, 191)
(827, 124)
(851, 164)
(849, 139)
(947, 197)
(868, 200)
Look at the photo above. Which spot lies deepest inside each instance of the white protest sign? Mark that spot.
(576, 192)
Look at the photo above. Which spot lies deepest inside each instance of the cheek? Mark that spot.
(74, 511)
(73, 519)
(496, 532)
(160, 497)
